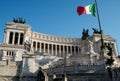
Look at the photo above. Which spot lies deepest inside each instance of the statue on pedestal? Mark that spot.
(19, 20)
(93, 56)
(90, 48)
(85, 34)
(27, 46)
(96, 31)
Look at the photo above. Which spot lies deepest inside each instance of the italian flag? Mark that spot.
(89, 9)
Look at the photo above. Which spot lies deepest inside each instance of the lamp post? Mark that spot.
(65, 75)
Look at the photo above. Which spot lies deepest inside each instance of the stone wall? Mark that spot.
(9, 78)
(10, 71)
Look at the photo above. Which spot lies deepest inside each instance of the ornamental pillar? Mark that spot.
(18, 38)
(13, 39)
(55, 50)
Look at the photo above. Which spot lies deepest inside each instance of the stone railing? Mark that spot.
(9, 63)
(76, 69)
(4, 46)
(3, 63)
(55, 38)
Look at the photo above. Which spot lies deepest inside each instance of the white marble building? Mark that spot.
(22, 44)
(16, 34)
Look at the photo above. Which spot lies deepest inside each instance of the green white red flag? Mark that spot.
(89, 9)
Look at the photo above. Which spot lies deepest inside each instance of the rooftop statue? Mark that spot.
(85, 34)
(96, 31)
(19, 20)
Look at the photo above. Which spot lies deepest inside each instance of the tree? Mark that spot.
(109, 61)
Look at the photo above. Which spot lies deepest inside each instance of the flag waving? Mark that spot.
(89, 9)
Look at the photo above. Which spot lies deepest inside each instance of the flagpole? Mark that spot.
(99, 25)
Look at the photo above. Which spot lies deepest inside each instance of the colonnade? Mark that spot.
(55, 48)
(16, 38)
(10, 53)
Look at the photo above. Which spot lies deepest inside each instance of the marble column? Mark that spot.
(13, 39)
(44, 47)
(40, 46)
(18, 38)
(67, 50)
(46, 76)
(74, 50)
(52, 48)
(56, 50)
(7, 37)
(35, 46)
(60, 50)
(48, 48)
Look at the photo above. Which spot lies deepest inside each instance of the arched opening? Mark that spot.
(69, 51)
(10, 37)
(76, 49)
(65, 49)
(58, 50)
(42, 47)
(38, 45)
(34, 45)
(46, 48)
(50, 49)
(21, 39)
(73, 50)
(16, 38)
(54, 50)
(61, 51)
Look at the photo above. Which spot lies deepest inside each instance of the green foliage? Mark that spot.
(109, 61)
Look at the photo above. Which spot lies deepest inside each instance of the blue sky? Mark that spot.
(59, 17)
